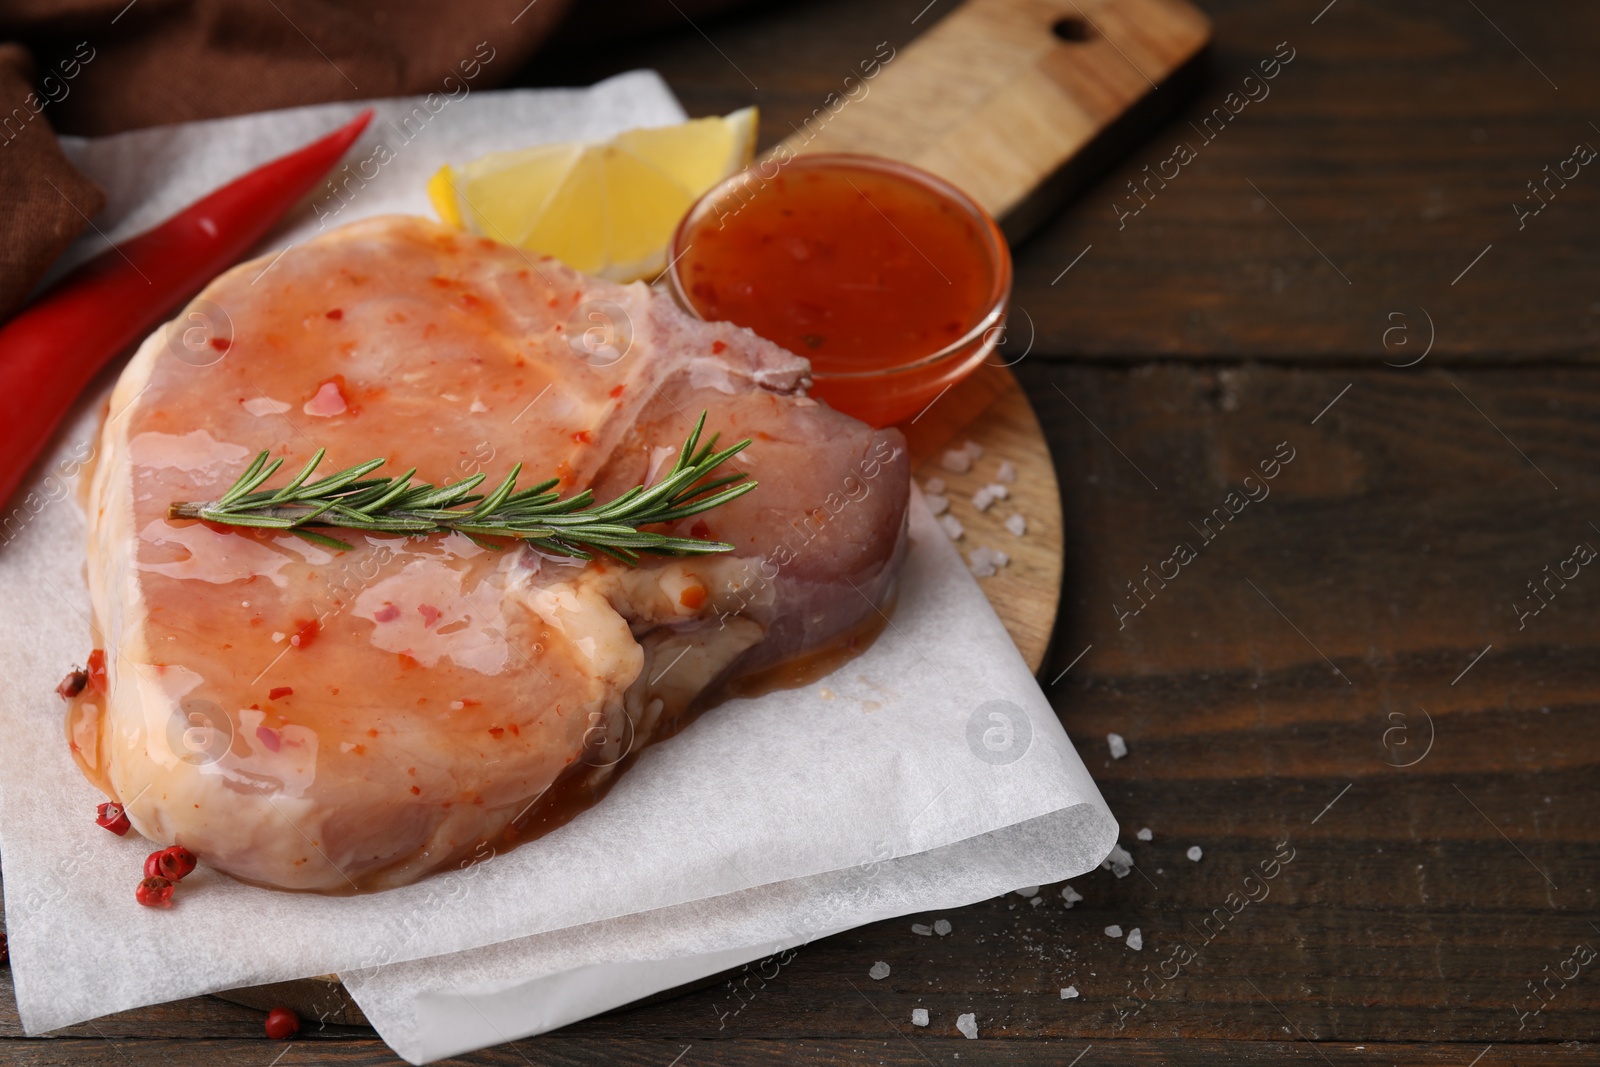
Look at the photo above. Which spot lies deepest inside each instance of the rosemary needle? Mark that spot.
(570, 527)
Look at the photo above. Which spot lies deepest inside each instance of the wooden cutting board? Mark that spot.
(1019, 102)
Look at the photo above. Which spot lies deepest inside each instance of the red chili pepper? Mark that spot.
(52, 349)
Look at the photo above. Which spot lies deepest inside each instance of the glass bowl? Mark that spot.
(904, 387)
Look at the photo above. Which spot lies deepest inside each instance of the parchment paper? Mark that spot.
(927, 773)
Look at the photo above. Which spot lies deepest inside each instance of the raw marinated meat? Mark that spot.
(328, 721)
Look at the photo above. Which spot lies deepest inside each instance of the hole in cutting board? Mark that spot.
(1071, 29)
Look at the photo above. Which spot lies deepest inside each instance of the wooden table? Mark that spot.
(1265, 691)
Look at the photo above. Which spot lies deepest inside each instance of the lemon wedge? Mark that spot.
(607, 208)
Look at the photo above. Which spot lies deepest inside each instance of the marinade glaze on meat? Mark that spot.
(324, 721)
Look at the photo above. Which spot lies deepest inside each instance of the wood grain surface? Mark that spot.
(991, 411)
(1174, 357)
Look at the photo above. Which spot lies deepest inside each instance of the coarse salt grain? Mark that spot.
(1120, 861)
(919, 1016)
(1070, 993)
(967, 1023)
(1028, 891)
(952, 527)
(1145, 835)
(973, 449)
(985, 562)
(1113, 930)
(1136, 940)
(941, 926)
(878, 971)
(1006, 473)
(982, 499)
(957, 461)
(922, 929)
(1070, 895)
(933, 485)
(998, 491)
(1036, 901)
(1194, 853)
(1118, 746)
(938, 504)
(1017, 524)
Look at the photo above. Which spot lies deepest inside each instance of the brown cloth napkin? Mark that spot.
(160, 61)
(109, 65)
(103, 66)
(46, 203)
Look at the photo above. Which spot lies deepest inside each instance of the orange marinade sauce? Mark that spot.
(854, 268)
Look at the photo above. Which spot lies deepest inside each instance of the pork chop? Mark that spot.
(328, 721)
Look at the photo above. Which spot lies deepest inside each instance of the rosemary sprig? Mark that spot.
(350, 500)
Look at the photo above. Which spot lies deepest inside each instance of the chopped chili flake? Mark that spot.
(269, 737)
(387, 613)
(616, 391)
(416, 791)
(278, 692)
(305, 633)
(718, 347)
(221, 344)
(96, 668)
(496, 731)
(700, 531)
(515, 731)
(336, 314)
(429, 613)
(582, 437)
(693, 597)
